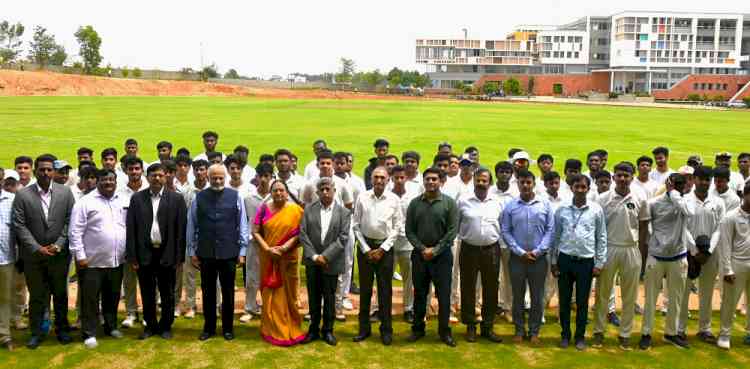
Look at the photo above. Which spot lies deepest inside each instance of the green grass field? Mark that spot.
(59, 125)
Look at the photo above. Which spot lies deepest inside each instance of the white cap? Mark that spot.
(686, 169)
(520, 155)
(10, 173)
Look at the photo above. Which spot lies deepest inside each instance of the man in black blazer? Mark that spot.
(155, 245)
(41, 213)
(324, 233)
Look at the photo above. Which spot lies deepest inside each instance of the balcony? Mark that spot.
(705, 46)
(727, 46)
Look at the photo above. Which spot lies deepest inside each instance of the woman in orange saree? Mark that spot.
(276, 230)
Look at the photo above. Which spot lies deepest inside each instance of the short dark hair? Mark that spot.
(391, 156)
(441, 157)
(86, 163)
(593, 153)
(601, 152)
(101, 173)
(660, 150)
(183, 151)
(523, 173)
(170, 166)
(263, 168)
(44, 158)
(162, 144)
(603, 174)
(184, 159)
(551, 175)
(646, 159)
(721, 172)
(213, 154)
(268, 157)
(154, 167)
(743, 155)
(573, 164)
(578, 178)
(704, 172)
(445, 144)
(85, 151)
(338, 155)
(281, 152)
(86, 172)
(130, 160)
(23, 159)
(625, 166)
(471, 149)
(200, 163)
(131, 141)
(380, 142)
(320, 141)
(545, 157)
(677, 179)
(324, 154)
(397, 168)
(513, 151)
(232, 158)
(434, 170)
(242, 149)
(110, 151)
(410, 155)
(503, 164)
(483, 170)
(208, 134)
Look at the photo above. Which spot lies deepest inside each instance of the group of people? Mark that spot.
(490, 241)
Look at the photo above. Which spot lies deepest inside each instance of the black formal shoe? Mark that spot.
(361, 337)
(387, 339)
(167, 335)
(229, 336)
(310, 337)
(471, 333)
(34, 342)
(205, 335)
(448, 340)
(64, 338)
(415, 336)
(491, 336)
(146, 334)
(330, 339)
(409, 317)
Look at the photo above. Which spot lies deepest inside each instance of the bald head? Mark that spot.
(216, 176)
(379, 180)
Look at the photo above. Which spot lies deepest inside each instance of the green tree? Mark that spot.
(137, 73)
(231, 74)
(209, 71)
(511, 87)
(490, 88)
(125, 72)
(10, 39)
(59, 56)
(90, 43)
(42, 47)
(346, 72)
(373, 78)
(395, 77)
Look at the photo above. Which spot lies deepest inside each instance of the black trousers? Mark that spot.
(225, 270)
(382, 271)
(485, 260)
(321, 287)
(93, 282)
(45, 278)
(578, 272)
(438, 271)
(153, 277)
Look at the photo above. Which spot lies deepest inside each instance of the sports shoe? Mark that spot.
(645, 343)
(129, 321)
(676, 340)
(706, 337)
(598, 340)
(246, 318)
(115, 333)
(190, 314)
(624, 343)
(90, 343)
(564, 343)
(347, 304)
(723, 343)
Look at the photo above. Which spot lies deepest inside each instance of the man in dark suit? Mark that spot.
(155, 244)
(324, 233)
(217, 236)
(41, 213)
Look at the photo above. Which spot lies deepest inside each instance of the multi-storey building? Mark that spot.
(628, 52)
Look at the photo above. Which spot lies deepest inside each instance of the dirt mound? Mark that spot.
(16, 83)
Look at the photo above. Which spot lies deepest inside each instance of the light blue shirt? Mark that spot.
(192, 228)
(528, 226)
(581, 232)
(7, 241)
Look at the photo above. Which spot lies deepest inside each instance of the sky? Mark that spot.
(264, 38)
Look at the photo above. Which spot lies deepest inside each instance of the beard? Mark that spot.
(217, 188)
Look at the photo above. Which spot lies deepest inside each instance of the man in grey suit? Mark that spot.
(324, 233)
(41, 213)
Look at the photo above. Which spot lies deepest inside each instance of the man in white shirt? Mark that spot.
(662, 170)
(410, 160)
(736, 180)
(572, 167)
(134, 169)
(23, 166)
(97, 242)
(86, 182)
(594, 163)
(243, 154)
(377, 220)
(643, 181)
(210, 140)
(284, 172)
(342, 170)
(234, 167)
(504, 193)
(734, 265)
(343, 191)
(743, 166)
(551, 193)
(184, 166)
(403, 248)
(545, 163)
(627, 215)
(721, 189)
(669, 245)
(709, 210)
(8, 258)
(311, 169)
(479, 235)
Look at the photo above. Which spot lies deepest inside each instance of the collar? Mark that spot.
(423, 197)
(41, 191)
(376, 197)
(5, 195)
(533, 201)
(574, 207)
(487, 198)
(328, 208)
(99, 194)
(158, 194)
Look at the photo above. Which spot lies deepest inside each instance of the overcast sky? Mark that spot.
(262, 38)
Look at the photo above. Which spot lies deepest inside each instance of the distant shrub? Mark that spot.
(694, 97)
